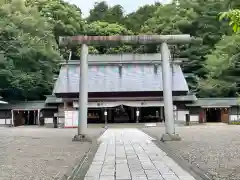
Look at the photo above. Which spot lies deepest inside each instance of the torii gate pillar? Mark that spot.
(167, 96)
(83, 95)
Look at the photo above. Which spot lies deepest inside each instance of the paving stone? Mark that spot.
(153, 174)
(123, 178)
(97, 163)
(130, 154)
(170, 177)
(186, 178)
(91, 178)
(107, 173)
(107, 178)
(92, 173)
(139, 177)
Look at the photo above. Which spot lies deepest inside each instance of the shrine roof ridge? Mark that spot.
(125, 59)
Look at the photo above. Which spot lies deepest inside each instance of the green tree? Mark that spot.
(234, 17)
(197, 18)
(98, 28)
(65, 18)
(29, 52)
(115, 14)
(135, 20)
(223, 68)
(99, 12)
(223, 63)
(104, 13)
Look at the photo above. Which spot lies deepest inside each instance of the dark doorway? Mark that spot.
(213, 115)
(151, 114)
(95, 116)
(25, 118)
(122, 114)
(29, 118)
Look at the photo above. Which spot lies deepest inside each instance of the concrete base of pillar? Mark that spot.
(82, 138)
(170, 137)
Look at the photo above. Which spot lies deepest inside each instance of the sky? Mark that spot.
(128, 5)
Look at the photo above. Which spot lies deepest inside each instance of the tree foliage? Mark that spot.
(102, 12)
(29, 32)
(65, 17)
(234, 17)
(28, 52)
(223, 67)
(135, 20)
(98, 28)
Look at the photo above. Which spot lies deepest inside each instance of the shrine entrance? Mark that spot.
(122, 114)
(25, 118)
(217, 115)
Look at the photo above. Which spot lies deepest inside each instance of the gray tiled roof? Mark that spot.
(112, 78)
(28, 105)
(211, 102)
(106, 78)
(98, 59)
(51, 99)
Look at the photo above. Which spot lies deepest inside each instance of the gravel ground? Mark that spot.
(215, 149)
(33, 153)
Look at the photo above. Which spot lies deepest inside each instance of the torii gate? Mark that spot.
(164, 40)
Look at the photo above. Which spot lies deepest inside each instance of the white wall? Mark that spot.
(234, 117)
(5, 121)
(2, 121)
(71, 119)
(48, 120)
(194, 118)
(181, 115)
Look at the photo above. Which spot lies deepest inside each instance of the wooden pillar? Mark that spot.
(65, 106)
(157, 116)
(105, 117)
(12, 120)
(201, 117)
(238, 112)
(132, 114)
(38, 117)
(137, 115)
(5, 117)
(65, 109)
(28, 116)
(34, 115)
(110, 115)
(102, 115)
(161, 114)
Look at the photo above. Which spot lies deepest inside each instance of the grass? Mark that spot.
(234, 123)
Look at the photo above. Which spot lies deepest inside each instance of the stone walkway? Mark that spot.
(130, 154)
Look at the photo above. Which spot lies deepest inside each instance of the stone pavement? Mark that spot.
(130, 154)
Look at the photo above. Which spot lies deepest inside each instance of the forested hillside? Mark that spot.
(30, 56)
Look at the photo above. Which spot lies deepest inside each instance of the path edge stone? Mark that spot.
(196, 172)
(82, 164)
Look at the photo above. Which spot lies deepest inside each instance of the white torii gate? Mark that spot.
(164, 40)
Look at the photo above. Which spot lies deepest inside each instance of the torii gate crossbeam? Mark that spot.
(164, 40)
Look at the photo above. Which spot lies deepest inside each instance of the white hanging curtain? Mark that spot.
(119, 103)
